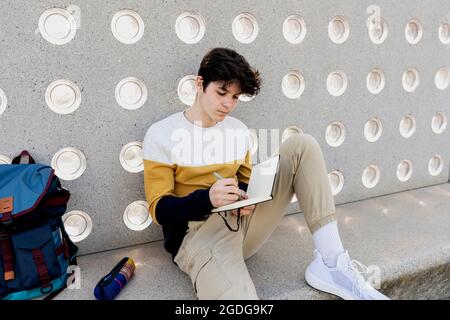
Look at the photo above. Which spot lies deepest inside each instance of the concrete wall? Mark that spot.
(95, 61)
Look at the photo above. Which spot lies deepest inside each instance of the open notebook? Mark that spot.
(260, 185)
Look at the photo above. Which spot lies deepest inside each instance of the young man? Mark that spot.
(181, 190)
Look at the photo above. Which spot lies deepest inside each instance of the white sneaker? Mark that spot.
(344, 280)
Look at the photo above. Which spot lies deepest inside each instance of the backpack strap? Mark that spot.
(6, 207)
(71, 248)
(41, 266)
(24, 157)
(60, 198)
(8, 258)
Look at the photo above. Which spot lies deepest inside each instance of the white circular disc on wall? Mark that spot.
(3, 101)
(131, 93)
(413, 31)
(78, 225)
(444, 32)
(439, 123)
(436, 165)
(5, 159)
(378, 30)
(246, 98)
(371, 176)
(190, 27)
(373, 129)
(410, 80)
(136, 216)
(442, 78)
(131, 157)
(338, 29)
(336, 179)
(337, 83)
(57, 26)
(127, 26)
(187, 90)
(335, 134)
(289, 131)
(293, 85)
(69, 163)
(253, 141)
(404, 170)
(245, 28)
(294, 29)
(407, 126)
(63, 96)
(375, 81)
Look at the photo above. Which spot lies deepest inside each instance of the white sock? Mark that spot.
(328, 242)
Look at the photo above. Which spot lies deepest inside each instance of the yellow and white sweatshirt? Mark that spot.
(179, 160)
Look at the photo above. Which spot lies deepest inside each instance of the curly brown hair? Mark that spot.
(223, 64)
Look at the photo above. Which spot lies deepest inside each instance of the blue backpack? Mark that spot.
(35, 250)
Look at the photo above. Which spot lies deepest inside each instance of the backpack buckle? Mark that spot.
(6, 207)
(47, 289)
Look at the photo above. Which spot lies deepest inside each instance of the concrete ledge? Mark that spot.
(406, 234)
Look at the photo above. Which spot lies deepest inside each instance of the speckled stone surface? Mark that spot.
(406, 234)
(96, 62)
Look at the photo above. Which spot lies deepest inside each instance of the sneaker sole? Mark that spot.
(321, 285)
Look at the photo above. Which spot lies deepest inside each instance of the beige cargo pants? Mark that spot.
(214, 257)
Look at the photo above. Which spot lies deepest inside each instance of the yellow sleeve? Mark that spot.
(245, 169)
(158, 181)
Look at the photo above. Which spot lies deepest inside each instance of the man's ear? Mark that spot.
(199, 83)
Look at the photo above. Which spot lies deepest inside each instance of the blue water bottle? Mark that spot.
(110, 285)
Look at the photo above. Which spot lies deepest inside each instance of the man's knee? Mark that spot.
(303, 141)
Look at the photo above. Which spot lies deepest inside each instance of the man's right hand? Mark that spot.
(224, 192)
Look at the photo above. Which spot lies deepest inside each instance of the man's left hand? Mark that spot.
(245, 210)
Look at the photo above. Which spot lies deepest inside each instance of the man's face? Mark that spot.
(217, 101)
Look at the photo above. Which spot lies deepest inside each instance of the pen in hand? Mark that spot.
(218, 176)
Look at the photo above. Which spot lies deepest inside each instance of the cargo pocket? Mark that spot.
(209, 280)
(36, 258)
